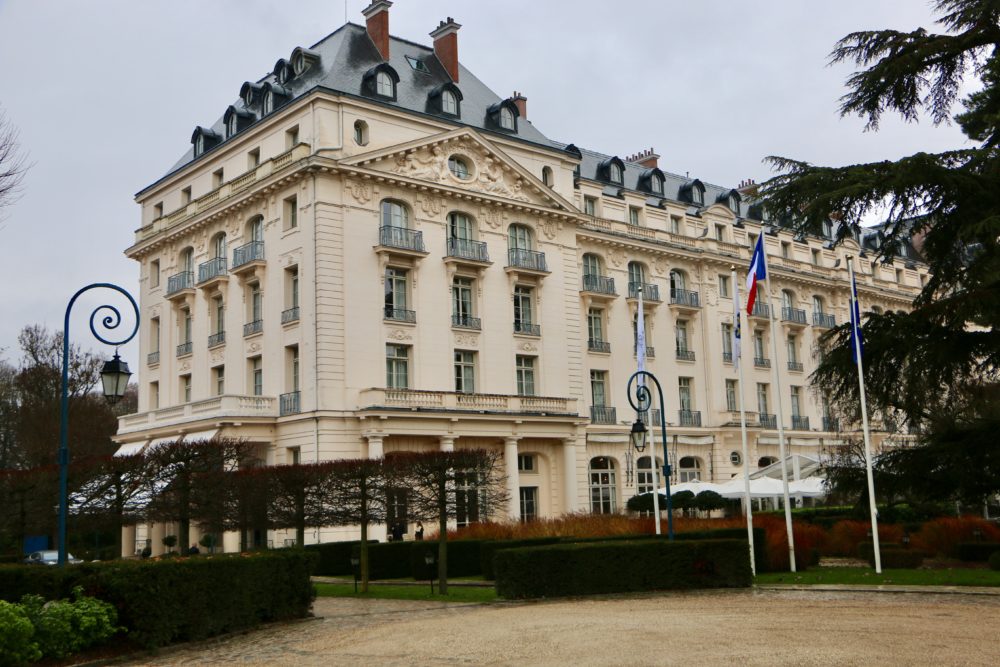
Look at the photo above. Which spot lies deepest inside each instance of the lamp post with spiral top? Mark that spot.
(640, 398)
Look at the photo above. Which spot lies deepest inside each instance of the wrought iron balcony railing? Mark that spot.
(289, 404)
(598, 345)
(184, 349)
(683, 297)
(466, 322)
(727, 357)
(796, 315)
(831, 424)
(180, 281)
(800, 423)
(217, 338)
(526, 259)
(768, 421)
(290, 315)
(761, 310)
(795, 366)
(650, 351)
(761, 362)
(249, 252)
(153, 358)
(824, 320)
(467, 249)
(213, 268)
(689, 417)
(400, 237)
(399, 314)
(650, 417)
(684, 354)
(527, 328)
(603, 414)
(649, 291)
(251, 328)
(599, 284)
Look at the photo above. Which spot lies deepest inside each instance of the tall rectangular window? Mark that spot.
(590, 206)
(292, 359)
(796, 393)
(762, 398)
(219, 376)
(525, 375)
(720, 232)
(758, 344)
(395, 292)
(731, 403)
(154, 395)
(253, 158)
(634, 215)
(292, 287)
(681, 332)
(675, 224)
(397, 366)
(815, 257)
(461, 301)
(256, 303)
(186, 196)
(186, 388)
(791, 344)
(294, 456)
(595, 325)
(786, 250)
(219, 314)
(256, 376)
(185, 325)
(724, 286)
(154, 273)
(154, 334)
(291, 212)
(465, 371)
(291, 138)
(598, 388)
(157, 210)
(727, 340)
(529, 503)
(523, 314)
(217, 179)
(684, 393)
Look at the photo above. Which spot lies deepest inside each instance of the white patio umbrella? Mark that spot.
(764, 487)
(810, 487)
(694, 487)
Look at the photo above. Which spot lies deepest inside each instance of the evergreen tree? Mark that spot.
(937, 366)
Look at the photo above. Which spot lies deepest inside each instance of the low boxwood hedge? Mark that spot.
(559, 570)
(489, 548)
(387, 561)
(893, 555)
(463, 558)
(335, 557)
(978, 552)
(181, 599)
(995, 561)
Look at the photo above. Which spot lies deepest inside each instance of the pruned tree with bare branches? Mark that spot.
(13, 164)
(360, 499)
(301, 496)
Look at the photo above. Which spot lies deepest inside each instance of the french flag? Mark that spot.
(758, 271)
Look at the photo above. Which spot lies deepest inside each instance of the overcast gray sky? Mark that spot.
(106, 94)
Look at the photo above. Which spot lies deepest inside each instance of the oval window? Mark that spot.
(458, 167)
(735, 458)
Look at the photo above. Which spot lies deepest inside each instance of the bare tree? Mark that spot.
(13, 164)
(360, 499)
(114, 491)
(301, 496)
(466, 485)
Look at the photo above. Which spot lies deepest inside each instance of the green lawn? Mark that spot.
(865, 575)
(455, 593)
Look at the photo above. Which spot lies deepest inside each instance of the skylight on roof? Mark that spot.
(418, 65)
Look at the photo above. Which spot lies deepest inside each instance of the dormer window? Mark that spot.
(380, 81)
(274, 97)
(446, 99)
(611, 170)
(383, 85)
(506, 119)
(732, 200)
(204, 139)
(697, 196)
(237, 120)
(303, 59)
(656, 184)
(282, 71)
(734, 203)
(693, 192)
(449, 103)
(251, 94)
(615, 173)
(651, 180)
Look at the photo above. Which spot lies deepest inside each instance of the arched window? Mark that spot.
(766, 461)
(360, 132)
(449, 103)
(697, 195)
(395, 214)
(461, 227)
(187, 260)
(615, 173)
(519, 237)
(506, 119)
(817, 305)
(636, 274)
(547, 176)
(690, 469)
(656, 184)
(787, 299)
(219, 245)
(591, 265)
(255, 229)
(603, 485)
(644, 474)
(384, 85)
(677, 281)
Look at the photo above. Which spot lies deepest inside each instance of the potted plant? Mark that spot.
(170, 541)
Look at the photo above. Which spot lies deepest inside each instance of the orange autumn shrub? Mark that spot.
(846, 536)
(809, 541)
(941, 537)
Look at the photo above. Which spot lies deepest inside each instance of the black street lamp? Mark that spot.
(429, 562)
(114, 380)
(355, 566)
(641, 400)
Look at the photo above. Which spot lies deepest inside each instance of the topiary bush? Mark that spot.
(560, 570)
(17, 646)
(644, 503)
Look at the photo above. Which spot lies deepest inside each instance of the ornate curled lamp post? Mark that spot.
(640, 399)
(114, 380)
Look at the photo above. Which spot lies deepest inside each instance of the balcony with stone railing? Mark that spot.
(603, 414)
(430, 401)
(651, 234)
(213, 409)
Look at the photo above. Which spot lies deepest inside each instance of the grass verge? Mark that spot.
(865, 575)
(455, 593)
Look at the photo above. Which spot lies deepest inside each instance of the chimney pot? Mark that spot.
(647, 158)
(377, 24)
(446, 46)
(521, 102)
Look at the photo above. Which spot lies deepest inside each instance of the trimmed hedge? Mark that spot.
(995, 561)
(894, 556)
(559, 570)
(390, 560)
(489, 548)
(979, 552)
(181, 599)
(335, 557)
(463, 558)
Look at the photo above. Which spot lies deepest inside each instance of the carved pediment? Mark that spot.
(489, 170)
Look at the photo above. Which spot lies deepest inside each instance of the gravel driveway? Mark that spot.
(701, 628)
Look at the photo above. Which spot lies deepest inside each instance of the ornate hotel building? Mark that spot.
(370, 251)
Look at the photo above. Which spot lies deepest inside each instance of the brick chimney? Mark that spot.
(377, 16)
(446, 46)
(521, 102)
(648, 159)
(747, 187)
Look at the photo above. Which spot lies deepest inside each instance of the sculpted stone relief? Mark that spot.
(617, 256)
(398, 334)
(360, 190)
(492, 216)
(488, 175)
(467, 340)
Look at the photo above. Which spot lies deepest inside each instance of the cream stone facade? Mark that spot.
(349, 276)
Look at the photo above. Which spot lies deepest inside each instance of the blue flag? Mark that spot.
(857, 342)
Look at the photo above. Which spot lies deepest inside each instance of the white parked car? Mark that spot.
(49, 557)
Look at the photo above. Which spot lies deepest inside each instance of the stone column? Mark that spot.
(375, 451)
(375, 446)
(513, 478)
(447, 443)
(569, 475)
(156, 534)
(128, 541)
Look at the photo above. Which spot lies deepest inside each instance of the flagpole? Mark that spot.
(737, 359)
(640, 355)
(781, 427)
(856, 341)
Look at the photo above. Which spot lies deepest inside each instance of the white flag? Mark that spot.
(640, 335)
(737, 333)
